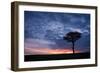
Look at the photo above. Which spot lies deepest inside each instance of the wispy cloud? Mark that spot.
(77, 19)
(83, 31)
(38, 47)
(38, 43)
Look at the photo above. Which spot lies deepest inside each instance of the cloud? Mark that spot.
(38, 47)
(83, 31)
(56, 28)
(77, 19)
(38, 43)
(37, 24)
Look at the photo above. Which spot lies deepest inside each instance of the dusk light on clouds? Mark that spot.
(44, 32)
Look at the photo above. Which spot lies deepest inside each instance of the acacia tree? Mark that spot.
(72, 37)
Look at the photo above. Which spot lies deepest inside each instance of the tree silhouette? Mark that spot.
(72, 37)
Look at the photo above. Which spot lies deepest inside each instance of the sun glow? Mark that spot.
(37, 51)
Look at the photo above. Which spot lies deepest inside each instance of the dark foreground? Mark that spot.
(56, 57)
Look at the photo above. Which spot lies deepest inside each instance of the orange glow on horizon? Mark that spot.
(61, 51)
(44, 51)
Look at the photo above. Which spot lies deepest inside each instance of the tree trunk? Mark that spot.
(73, 43)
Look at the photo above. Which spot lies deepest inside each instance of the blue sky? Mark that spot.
(47, 29)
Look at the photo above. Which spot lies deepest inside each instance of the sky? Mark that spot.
(44, 32)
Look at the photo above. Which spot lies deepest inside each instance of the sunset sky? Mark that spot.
(44, 32)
